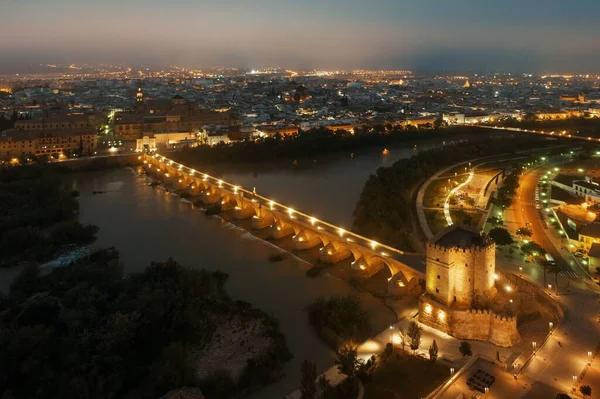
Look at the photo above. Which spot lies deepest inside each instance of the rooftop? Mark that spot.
(591, 230)
(460, 236)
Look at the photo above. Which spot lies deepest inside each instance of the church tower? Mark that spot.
(139, 100)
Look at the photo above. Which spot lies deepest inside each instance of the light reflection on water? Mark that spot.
(147, 224)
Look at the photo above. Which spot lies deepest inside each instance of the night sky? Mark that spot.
(509, 35)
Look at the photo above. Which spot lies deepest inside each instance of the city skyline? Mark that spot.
(466, 35)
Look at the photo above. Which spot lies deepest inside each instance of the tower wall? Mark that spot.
(460, 276)
(439, 279)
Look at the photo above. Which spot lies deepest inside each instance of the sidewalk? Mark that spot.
(448, 352)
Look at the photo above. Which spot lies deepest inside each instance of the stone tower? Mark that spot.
(460, 267)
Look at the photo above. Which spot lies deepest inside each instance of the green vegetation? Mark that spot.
(585, 390)
(506, 192)
(311, 143)
(383, 211)
(465, 349)
(436, 220)
(338, 320)
(409, 377)
(500, 236)
(524, 232)
(308, 380)
(37, 216)
(433, 351)
(87, 331)
(532, 248)
(354, 368)
(414, 335)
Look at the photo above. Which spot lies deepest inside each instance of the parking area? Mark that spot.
(502, 385)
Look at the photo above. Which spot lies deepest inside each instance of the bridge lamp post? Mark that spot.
(220, 182)
(205, 177)
(290, 212)
(373, 245)
(313, 221)
(341, 232)
(271, 204)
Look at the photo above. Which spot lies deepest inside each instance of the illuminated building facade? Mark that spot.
(460, 288)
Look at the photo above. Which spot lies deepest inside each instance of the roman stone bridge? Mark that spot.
(335, 244)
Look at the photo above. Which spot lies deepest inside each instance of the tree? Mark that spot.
(324, 385)
(414, 335)
(348, 361)
(308, 378)
(585, 390)
(532, 248)
(524, 232)
(500, 236)
(433, 352)
(495, 221)
(402, 338)
(465, 349)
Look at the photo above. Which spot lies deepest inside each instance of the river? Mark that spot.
(146, 224)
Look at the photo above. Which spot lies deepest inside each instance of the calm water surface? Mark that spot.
(145, 224)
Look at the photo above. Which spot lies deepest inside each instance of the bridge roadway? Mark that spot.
(336, 244)
(562, 134)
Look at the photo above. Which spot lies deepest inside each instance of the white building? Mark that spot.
(217, 138)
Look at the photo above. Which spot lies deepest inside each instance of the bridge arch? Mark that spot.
(307, 238)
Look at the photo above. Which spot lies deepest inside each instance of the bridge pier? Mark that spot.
(243, 212)
(209, 197)
(280, 229)
(227, 204)
(305, 240)
(330, 254)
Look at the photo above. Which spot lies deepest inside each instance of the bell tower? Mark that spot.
(139, 100)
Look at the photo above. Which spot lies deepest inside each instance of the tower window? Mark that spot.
(437, 290)
(437, 259)
(438, 276)
(466, 265)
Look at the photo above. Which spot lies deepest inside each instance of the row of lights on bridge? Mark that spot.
(313, 221)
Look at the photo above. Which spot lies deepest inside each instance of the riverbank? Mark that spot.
(167, 327)
(306, 162)
(39, 218)
(386, 207)
(147, 224)
(190, 332)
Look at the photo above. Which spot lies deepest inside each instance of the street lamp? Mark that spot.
(589, 358)
(391, 334)
(574, 381)
(534, 345)
(550, 325)
(487, 391)
(451, 372)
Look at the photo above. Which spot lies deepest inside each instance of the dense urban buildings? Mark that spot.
(173, 108)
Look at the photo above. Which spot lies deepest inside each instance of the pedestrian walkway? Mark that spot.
(448, 352)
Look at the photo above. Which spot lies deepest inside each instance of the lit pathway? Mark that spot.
(448, 352)
(453, 192)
